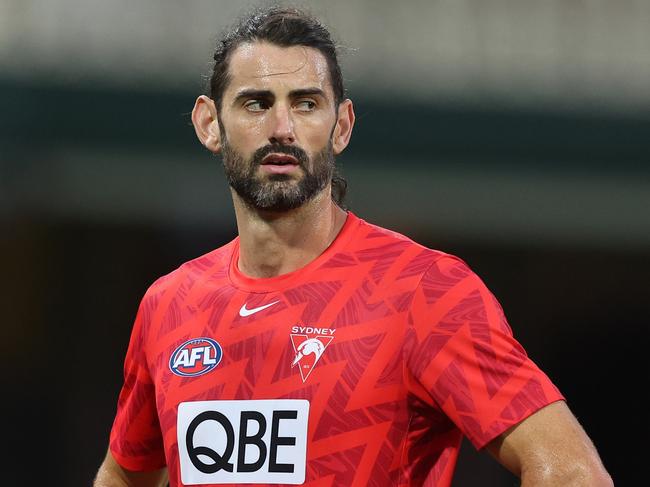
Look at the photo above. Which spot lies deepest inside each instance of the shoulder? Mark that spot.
(440, 282)
(379, 242)
(212, 265)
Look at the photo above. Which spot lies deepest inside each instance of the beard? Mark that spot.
(277, 192)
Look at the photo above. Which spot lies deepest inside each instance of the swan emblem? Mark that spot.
(309, 346)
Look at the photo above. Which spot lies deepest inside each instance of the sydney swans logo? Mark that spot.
(309, 343)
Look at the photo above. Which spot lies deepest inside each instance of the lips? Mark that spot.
(276, 159)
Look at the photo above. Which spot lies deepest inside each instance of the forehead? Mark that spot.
(261, 65)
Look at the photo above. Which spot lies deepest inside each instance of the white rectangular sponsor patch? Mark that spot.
(244, 442)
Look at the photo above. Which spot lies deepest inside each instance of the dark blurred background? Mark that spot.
(515, 134)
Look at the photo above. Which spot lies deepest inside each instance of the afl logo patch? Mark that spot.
(195, 357)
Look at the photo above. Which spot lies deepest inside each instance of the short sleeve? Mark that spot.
(463, 355)
(136, 438)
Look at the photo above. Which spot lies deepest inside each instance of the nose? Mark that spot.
(281, 130)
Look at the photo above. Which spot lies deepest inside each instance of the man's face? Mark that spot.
(276, 121)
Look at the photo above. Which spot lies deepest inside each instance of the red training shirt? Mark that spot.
(364, 368)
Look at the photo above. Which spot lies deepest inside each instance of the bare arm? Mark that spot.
(550, 448)
(112, 474)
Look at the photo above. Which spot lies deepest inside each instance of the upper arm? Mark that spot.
(112, 474)
(136, 439)
(550, 448)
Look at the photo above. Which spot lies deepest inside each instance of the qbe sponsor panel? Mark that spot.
(248, 442)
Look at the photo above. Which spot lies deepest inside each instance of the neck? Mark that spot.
(275, 243)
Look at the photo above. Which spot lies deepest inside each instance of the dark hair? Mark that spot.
(284, 27)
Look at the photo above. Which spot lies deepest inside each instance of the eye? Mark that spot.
(256, 105)
(305, 105)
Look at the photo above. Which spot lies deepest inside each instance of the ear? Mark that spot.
(343, 128)
(206, 126)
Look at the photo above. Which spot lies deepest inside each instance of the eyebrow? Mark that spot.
(268, 95)
(306, 92)
(252, 93)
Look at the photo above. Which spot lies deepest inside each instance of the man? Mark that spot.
(316, 348)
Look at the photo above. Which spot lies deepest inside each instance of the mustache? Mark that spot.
(290, 150)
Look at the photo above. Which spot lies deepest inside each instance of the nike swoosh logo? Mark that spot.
(243, 311)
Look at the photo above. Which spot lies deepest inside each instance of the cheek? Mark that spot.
(316, 133)
(246, 136)
(253, 126)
